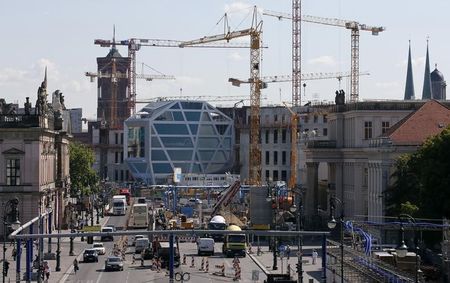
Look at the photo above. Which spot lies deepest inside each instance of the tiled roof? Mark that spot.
(432, 118)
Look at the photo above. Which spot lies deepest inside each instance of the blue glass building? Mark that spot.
(191, 135)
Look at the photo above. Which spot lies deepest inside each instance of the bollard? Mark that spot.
(184, 259)
(192, 262)
(237, 273)
(207, 265)
(202, 266)
(289, 270)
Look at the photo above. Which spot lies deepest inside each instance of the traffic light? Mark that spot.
(5, 268)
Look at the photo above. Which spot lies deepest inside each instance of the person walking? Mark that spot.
(47, 272)
(314, 256)
(288, 251)
(75, 265)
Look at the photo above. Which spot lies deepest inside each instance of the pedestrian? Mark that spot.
(288, 251)
(314, 257)
(47, 271)
(75, 265)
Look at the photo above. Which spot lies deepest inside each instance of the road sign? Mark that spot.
(95, 228)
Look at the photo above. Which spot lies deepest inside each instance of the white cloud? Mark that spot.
(11, 76)
(323, 60)
(237, 7)
(235, 56)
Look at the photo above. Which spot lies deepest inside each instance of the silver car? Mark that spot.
(113, 263)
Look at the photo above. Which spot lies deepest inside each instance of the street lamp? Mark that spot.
(272, 196)
(332, 224)
(49, 211)
(14, 223)
(402, 249)
(299, 211)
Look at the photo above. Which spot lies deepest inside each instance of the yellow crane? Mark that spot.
(354, 27)
(255, 87)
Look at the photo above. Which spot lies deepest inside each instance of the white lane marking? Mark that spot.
(128, 275)
(100, 276)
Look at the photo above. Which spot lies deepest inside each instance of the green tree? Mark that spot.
(84, 179)
(422, 180)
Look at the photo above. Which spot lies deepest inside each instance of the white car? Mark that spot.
(99, 248)
(136, 238)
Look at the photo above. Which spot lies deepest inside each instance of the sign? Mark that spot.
(176, 174)
(95, 228)
(255, 275)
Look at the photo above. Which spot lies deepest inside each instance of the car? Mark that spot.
(141, 200)
(99, 248)
(141, 244)
(105, 238)
(113, 263)
(90, 255)
(112, 226)
(137, 237)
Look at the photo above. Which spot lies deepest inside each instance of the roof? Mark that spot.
(429, 120)
(436, 76)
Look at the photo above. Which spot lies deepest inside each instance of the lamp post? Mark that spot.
(332, 224)
(402, 249)
(14, 223)
(299, 217)
(49, 211)
(72, 229)
(271, 197)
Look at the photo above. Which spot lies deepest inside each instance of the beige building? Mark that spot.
(365, 140)
(34, 158)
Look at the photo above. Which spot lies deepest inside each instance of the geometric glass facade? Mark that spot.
(191, 135)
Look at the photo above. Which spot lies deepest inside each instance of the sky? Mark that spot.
(59, 35)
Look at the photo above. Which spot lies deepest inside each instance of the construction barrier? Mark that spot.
(289, 270)
(193, 262)
(202, 266)
(184, 259)
(221, 268)
(207, 265)
(237, 273)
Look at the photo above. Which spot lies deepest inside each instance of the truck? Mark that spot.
(217, 223)
(234, 244)
(119, 205)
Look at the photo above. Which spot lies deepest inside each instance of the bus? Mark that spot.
(140, 217)
(125, 192)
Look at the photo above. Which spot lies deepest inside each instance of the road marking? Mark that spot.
(128, 276)
(100, 276)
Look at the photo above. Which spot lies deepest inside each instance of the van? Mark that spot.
(141, 244)
(205, 246)
(105, 238)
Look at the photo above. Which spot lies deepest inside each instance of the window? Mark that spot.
(275, 118)
(267, 136)
(283, 158)
(116, 155)
(116, 138)
(325, 118)
(384, 126)
(275, 158)
(267, 174)
(121, 138)
(283, 118)
(367, 130)
(325, 132)
(116, 175)
(283, 135)
(306, 118)
(283, 175)
(267, 157)
(275, 136)
(275, 175)
(316, 118)
(121, 157)
(13, 172)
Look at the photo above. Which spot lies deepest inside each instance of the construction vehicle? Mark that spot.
(234, 244)
(217, 223)
(353, 26)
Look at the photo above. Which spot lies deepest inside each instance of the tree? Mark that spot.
(84, 179)
(422, 180)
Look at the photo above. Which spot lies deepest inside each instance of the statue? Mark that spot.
(27, 106)
(41, 102)
(339, 99)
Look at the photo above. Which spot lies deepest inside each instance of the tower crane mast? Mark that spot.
(354, 27)
(255, 87)
(296, 52)
(294, 152)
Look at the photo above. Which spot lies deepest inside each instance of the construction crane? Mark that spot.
(135, 44)
(115, 75)
(354, 27)
(201, 97)
(296, 52)
(294, 154)
(255, 89)
(306, 77)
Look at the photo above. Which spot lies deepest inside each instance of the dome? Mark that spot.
(436, 76)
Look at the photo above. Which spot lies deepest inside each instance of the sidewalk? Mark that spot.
(66, 261)
(310, 271)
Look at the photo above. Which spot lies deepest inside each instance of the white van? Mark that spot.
(141, 244)
(119, 205)
(205, 246)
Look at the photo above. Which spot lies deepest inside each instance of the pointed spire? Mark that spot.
(409, 87)
(427, 93)
(114, 37)
(45, 78)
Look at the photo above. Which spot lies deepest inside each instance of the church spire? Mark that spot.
(409, 87)
(427, 93)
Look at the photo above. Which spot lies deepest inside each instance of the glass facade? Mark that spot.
(192, 135)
